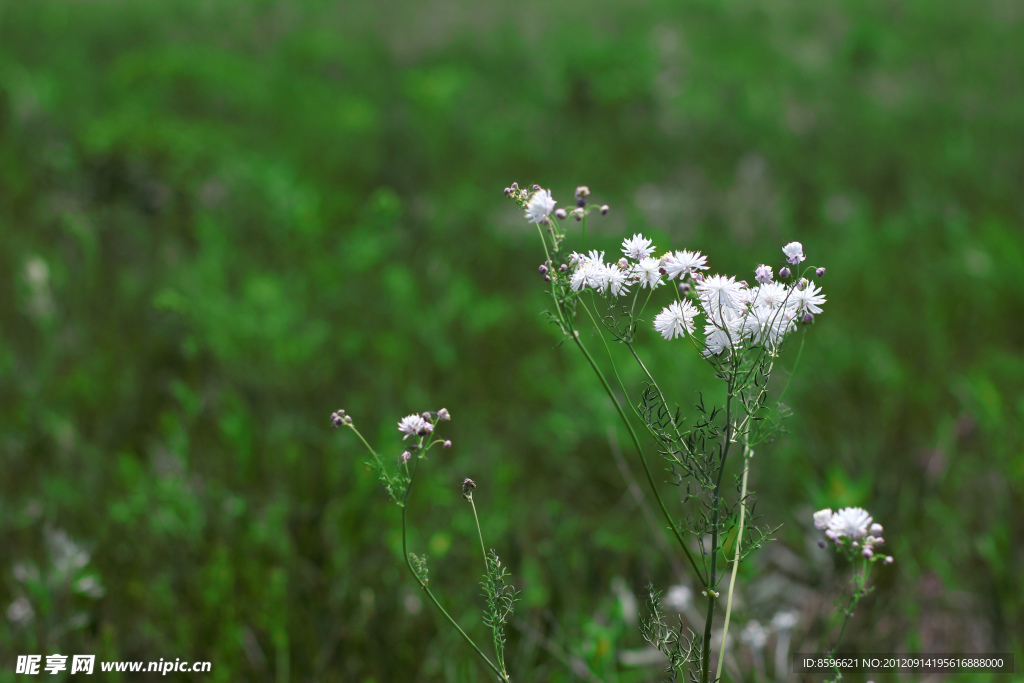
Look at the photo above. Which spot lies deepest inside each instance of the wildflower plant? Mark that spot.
(857, 537)
(397, 478)
(738, 329)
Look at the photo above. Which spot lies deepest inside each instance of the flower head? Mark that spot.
(794, 252)
(414, 425)
(682, 263)
(851, 523)
(822, 518)
(637, 247)
(763, 274)
(676, 320)
(808, 299)
(718, 291)
(648, 272)
(540, 206)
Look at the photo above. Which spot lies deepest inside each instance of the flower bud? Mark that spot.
(623, 263)
(819, 272)
(889, 559)
(604, 209)
(405, 457)
(514, 186)
(578, 213)
(561, 214)
(802, 284)
(543, 270)
(582, 192)
(508, 191)
(784, 272)
(535, 188)
(821, 543)
(467, 488)
(876, 529)
(547, 278)
(807, 319)
(684, 288)
(443, 415)
(562, 268)
(447, 443)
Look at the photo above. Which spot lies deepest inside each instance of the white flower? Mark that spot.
(794, 252)
(648, 272)
(637, 247)
(718, 292)
(785, 621)
(808, 299)
(716, 341)
(540, 206)
(414, 425)
(676, 320)
(772, 295)
(683, 263)
(615, 279)
(763, 274)
(822, 518)
(852, 523)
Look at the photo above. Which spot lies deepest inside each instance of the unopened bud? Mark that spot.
(604, 209)
(561, 214)
(467, 488)
(889, 559)
(783, 272)
(684, 287)
(808, 319)
(562, 268)
(447, 443)
(443, 415)
(623, 263)
(405, 456)
(819, 272)
(582, 192)
(543, 269)
(508, 191)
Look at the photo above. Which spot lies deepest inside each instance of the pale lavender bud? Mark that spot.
(876, 529)
(443, 415)
(579, 214)
(784, 272)
(623, 263)
(562, 268)
(802, 284)
(543, 270)
(819, 272)
(515, 186)
(821, 544)
(535, 188)
(763, 274)
(447, 443)
(405, 456)
(561, 214)
(604, 209)
(684, 288)
(582, 192)
(808, 319)
(868, 552)
(508, 191)
(698, 278)
(889, 559)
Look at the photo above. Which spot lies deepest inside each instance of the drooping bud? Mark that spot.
(443, 415)
(467, 488)
(604, 209)
(561, 214)
(820, 272)
(784, 272)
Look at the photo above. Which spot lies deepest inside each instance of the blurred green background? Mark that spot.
(221, 221)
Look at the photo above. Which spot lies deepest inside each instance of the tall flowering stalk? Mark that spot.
(397, 480)
(743, 328)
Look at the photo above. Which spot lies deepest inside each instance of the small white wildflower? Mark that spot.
(414, 425)
(718, 292)
(540, 206)
(754, 635)
(851, 523)
(716, 341)
(822, 518)
(808, 299)
(676, 320)
(763, 274)
(616, 280)
(682, 263)
(637, 247)
(648, 273)
(794, 252)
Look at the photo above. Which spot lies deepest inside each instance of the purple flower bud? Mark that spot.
(802, 284)
(581, 202)
(561, 214)
(514, 186)
(467, 488)
(443, 415)
(405, 456)
(508, 191)
(876, 529)
(684, 288)
(889, 559)
(447, 443)
(807, 319)
(819, 272)
(821, 544)
(338, 418)
(535, 188)
(604, 209)
(543, 270)
(868, 552)
(562, 268)
(547, 278)
(784, 272)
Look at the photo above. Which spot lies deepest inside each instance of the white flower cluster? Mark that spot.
(735, 313)
(854, 524)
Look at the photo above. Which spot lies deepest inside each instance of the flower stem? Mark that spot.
(747, 454)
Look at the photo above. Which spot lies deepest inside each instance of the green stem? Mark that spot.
(747, 455)
(405, 553)
(640, 451)
(478, 532)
